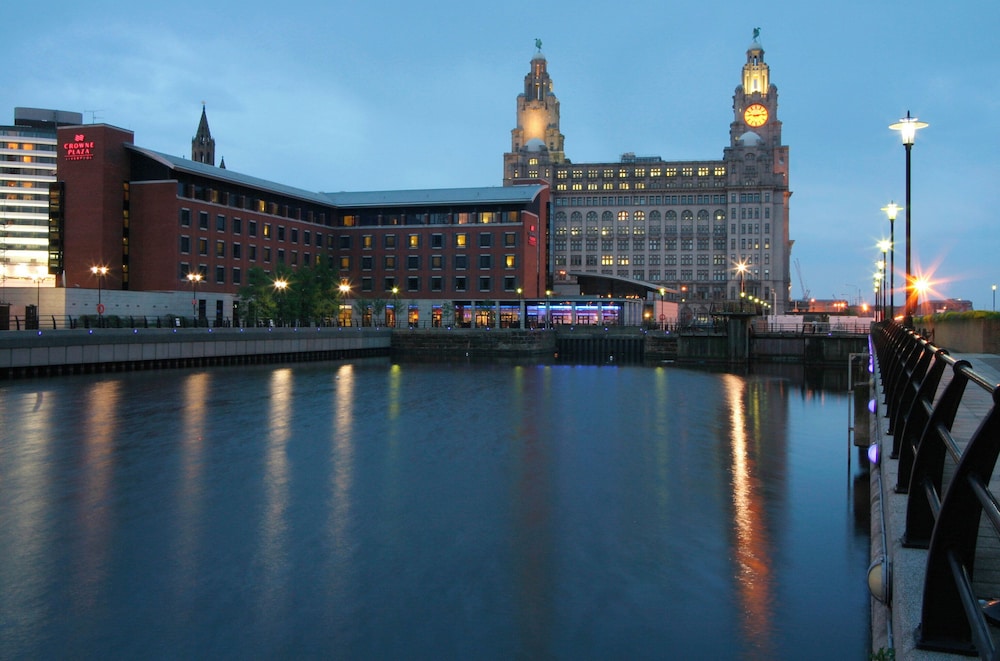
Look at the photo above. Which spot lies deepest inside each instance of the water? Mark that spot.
(414, 511)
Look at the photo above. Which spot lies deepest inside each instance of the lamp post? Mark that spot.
(100, 272)
(885, 246)
(907, 127)
(741, 268)
(663, 316)
(520, 308)
(548, 308)
(892, 210)
(280, 285)
(395, 307)
(194, 277)
(345, 290)
(994, 298)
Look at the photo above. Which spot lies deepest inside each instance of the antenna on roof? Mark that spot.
(94, 115)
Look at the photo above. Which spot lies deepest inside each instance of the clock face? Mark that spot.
(755, 115)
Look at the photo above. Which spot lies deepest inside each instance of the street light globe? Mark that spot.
(908, 127)
(280, 284)
(892, 210)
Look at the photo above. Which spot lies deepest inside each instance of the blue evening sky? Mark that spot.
(391, 95)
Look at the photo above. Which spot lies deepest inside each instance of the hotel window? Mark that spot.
(220, 248)
(437, 283)
(237, 276)
(484, 283)
(295, 235)
(220, 275)
(413, 262)
(389, 262)
(252, 227)
(485, 240)
(185, 244)
(267, 254)
(510, 239)
(367, 263)
(345, 263)
(437, 262)
(510, 261)
(281, 232)
(509, 283)
(253, 253)
(367, 242)
(461, 262)
(388, 283)
(203, 246)
(267, 230)
(237, 251)
(486, 261)
(437, 240)
(413, 283)
(305, 238)
(220, 223)
(366, 284)
(413, 240)
(319, 240)
(203, 220)
(185, 218)
(237, 226)
(460, 283)
(389, 241)
(461, 240)
(281, 255)
(345, 242)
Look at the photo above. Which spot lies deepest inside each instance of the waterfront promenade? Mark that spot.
(897, 627)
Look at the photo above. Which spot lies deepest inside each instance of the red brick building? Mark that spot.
(152, 218)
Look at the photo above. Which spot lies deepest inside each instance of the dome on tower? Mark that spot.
(535, 144)
(750, 139)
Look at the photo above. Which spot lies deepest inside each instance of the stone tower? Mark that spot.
(203, 144)
(536, 143)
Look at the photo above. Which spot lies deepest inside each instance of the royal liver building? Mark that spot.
(707, 231)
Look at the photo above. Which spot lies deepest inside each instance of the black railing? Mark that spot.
(942, 517)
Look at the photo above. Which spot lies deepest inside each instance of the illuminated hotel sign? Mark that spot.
(78, 150)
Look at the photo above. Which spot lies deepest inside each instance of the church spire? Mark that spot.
(203, 144)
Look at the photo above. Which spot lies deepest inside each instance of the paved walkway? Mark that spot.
(908, 564)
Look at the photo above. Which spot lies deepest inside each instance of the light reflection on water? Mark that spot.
(376, 510)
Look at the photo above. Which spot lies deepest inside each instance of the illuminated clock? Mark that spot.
(755, 115)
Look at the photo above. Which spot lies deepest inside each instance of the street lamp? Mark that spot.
(280, 285)
(907, 127)
(395, 307)
(548, 308)
(892, 210)
(741, 268)
(194, 277)
(663, 316)
(345, 290)
(994, 298)
(885, 246)
(100, 272)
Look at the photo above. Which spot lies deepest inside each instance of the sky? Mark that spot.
(376, 95)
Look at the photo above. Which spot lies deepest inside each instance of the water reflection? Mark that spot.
(753, 552)
(372, 510)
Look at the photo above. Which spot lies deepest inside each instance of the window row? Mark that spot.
(295, 210)
(434, 241)
(643, 200)
(436, 283)
(435, 262)
(623, 172)
(235, 226)
(377, 218)
(221, 250)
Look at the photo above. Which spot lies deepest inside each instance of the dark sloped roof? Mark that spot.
(399, 198)
(390, 198)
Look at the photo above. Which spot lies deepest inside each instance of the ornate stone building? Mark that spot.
(706, 231)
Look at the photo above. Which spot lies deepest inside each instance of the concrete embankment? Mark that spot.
(40, 353)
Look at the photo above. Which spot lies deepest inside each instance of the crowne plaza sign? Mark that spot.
(80, 149)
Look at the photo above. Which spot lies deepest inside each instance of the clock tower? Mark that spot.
(755, 132)
(536, 143)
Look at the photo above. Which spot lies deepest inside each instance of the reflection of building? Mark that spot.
(153, 218)
(683, 225)
(27, 168)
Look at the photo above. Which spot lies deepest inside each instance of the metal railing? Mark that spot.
(942, 517)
